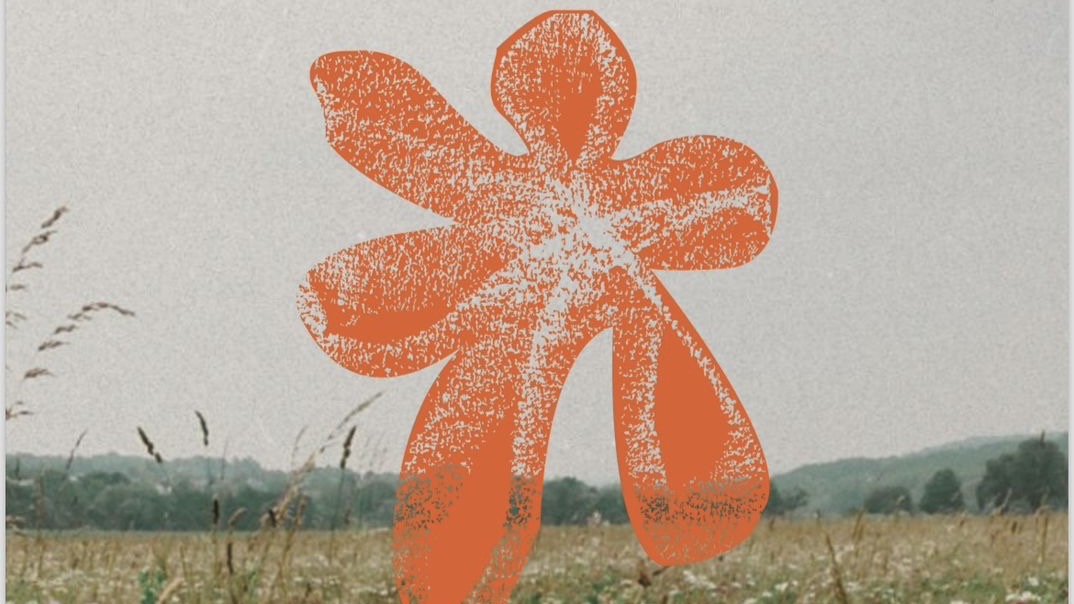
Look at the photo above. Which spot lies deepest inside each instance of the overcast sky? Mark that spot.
(914, 291)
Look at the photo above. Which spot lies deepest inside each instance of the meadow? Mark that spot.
(946, 559)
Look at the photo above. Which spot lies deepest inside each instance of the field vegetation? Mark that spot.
(959, 558)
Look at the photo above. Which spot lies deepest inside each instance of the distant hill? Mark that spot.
(840, 486)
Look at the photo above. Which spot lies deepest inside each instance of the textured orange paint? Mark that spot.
(547, 250)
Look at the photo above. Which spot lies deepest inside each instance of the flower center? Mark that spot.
(577, 227)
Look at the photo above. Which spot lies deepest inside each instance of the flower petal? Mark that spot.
(386, 307)
(694, 477)
(460, 483)
(474, 467)
(388, 121)
(566, 83)
(694, 203)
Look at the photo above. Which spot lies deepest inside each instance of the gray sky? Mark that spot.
(914, 292)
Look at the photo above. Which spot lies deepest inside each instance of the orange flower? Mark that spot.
(547, 250)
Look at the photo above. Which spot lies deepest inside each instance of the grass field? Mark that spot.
(889, 559)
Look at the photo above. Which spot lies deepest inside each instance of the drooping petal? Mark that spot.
(470, 488)
(466, 516)
(693, 203)
(386, 307)
(694, 477)
(566, 83)
(388, 121)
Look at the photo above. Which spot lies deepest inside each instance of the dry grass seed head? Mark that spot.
(204, 428)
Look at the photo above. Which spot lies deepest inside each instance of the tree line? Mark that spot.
(52, 498)
(112, 501)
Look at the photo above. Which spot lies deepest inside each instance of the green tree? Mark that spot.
(189, 508)
(567, 501)
(774, 507)
(943, 494)
(128, 507)
(20, 502)
(780, 504)
(374, 504)
(1033, 476)
(611, 506)
(794, 499)
(888, 500)
(995, 488)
